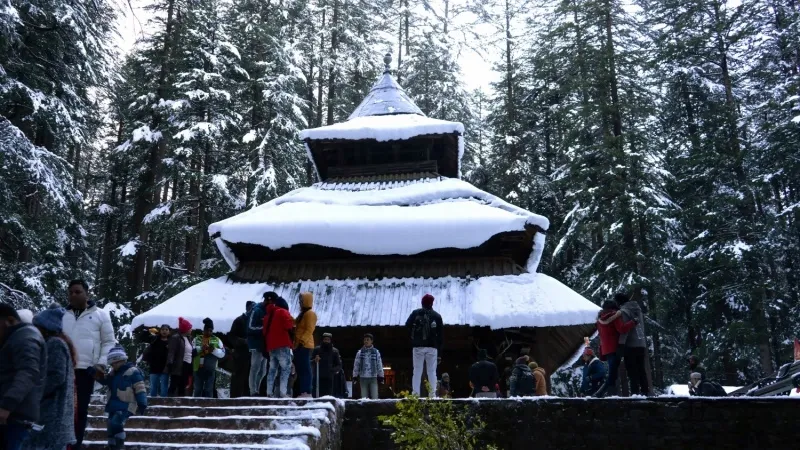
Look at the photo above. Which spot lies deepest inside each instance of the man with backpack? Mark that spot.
(255, 342)
(703, 388)
(425, 326)
(522, 381)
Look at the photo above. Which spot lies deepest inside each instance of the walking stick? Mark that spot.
(317, 379)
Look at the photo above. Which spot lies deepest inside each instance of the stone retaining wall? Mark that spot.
(561, 424)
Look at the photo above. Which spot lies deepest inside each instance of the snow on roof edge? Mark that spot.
(497, 302)
(383, 128)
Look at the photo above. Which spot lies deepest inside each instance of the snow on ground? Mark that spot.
(533, 300)
(383, 128)
(405, 220)
(682, 390)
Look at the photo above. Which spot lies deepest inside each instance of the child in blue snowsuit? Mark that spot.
(127, 395)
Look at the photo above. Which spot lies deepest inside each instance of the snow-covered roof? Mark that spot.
(385, 98)
(404, 220)
(527, 300)
(384, 128)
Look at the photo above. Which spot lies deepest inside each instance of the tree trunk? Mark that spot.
(334, 61)
(151, 172)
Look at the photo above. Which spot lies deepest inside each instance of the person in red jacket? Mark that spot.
(278, 335)
(610, 326)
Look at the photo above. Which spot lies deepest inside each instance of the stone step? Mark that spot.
(193, 436)
(241, 401)
(311, 418)
(277, 444)
(262, 409)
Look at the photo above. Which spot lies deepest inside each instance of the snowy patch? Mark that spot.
(384, 128)
(682, 390)
(531, 300)
(105, 209)
(406, 220)
(156, 213)
(144, 133)
(129, 249)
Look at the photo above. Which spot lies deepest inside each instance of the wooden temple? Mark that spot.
(389, 221)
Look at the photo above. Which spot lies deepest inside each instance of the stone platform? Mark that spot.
(668, 423)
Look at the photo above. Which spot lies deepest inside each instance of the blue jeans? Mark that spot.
(302, 363)
(159, 384)
(116, 427)
(204, 383)
(279, 359)
(15, 434)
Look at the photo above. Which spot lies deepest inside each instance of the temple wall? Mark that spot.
(660, 423)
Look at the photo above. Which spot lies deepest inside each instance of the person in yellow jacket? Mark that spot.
(306, 323)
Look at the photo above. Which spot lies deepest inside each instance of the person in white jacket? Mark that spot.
(91, 332)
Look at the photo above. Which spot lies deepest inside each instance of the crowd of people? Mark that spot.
(49, 363)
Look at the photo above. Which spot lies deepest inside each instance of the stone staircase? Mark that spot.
(230, 424)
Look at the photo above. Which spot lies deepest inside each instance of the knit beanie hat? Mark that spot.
(25, 315)
(327, 335)
(427, 301)
(588, 351)
(522, 360)
(117, 354)
(208, 324)
(533, 365)
(50, 319)
(184, 326)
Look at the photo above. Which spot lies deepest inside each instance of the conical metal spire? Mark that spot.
(386, 97)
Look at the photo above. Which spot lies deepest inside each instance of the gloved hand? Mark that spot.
(355, 380)
(380, 380)
(620, 351)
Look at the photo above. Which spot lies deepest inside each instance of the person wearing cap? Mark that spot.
(240, 376)
(90, 329)
(23, 368)
(329, 363)
(255, 341)
(368, 369)
(179, 358)
(127, 394)
(155, 355)
(483, 376)
(57, 408)
(209, 350)
(425, 326)
(594, 372)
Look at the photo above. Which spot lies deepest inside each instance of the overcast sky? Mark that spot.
(476, 72)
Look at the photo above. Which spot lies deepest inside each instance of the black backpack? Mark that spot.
(421, 329)
(526, 384)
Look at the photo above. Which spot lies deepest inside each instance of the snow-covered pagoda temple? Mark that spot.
(389, 221)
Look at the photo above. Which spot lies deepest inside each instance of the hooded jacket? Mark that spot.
(277, 325)
(126, 389)
(306, 323)
(541, 381)
(522, 381)
(23, 367)
(594, 374)
(91, 333)
(58, 400)
(255, 323)
(635, 338)
(610, 331)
